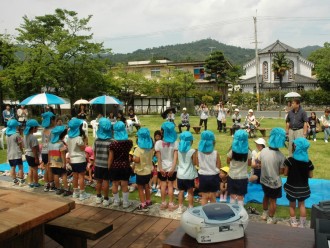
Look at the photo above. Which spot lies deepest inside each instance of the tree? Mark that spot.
(321, 59)
(280, 65)
(59, 56)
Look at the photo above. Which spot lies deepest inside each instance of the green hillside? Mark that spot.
(195, 51)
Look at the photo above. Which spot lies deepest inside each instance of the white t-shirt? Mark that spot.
(166, 152)
(238, 169)
(208, 163)
(221, 114)
(271, 163)
(76, 155)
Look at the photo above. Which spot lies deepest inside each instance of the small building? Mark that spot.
(298, 78)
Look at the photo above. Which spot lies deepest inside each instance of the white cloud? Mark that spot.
(127, 25)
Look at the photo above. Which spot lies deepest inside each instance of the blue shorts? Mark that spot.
(14, 162)
(79, 167)
(31, 161)
(237, 186)
(143, 179)
(186, 184)
(209, 183)
(167, 178)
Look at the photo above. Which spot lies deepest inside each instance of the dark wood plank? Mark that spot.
(152, 233)
(158, 241)
(131, 237)
(81, 210)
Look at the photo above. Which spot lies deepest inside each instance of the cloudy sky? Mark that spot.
(128, 25)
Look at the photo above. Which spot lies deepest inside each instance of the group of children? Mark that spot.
(167, 161)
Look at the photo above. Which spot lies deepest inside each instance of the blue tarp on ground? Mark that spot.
(319, 188)
(6, 167)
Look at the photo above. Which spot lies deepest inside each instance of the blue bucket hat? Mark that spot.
(74, 125)
(11, 126)
(104, 129)
(46, 119)
(206, 144)
(120, 132)
(144, 139)
(56, 132)
(277, 138)
(169, 134)
(30, 123)
(240, 142)
(185, 141)
(300, 153)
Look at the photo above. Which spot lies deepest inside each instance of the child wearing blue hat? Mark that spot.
(272, 165)
(57, 159)
(298, 168)
(209, 163)
(101, 154)
(119, 164)
(32, 152)
(238, 158)
(15, 151)
(76, 149)
(142, 159)
(186, 173)
(48, 123)
(167, 156)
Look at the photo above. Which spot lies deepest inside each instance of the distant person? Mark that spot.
(312, 123)
(255, 164)
(170, 116)
(7, 115)
(204, 115)
(236, 117)
(82, 113)
(221, 117)
(184, 120)
(325, 123)
(296, 123)
(22, 115)
(251, 123)
(298, 168)
(135, 122)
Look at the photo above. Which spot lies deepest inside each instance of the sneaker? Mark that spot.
(271, 220)
(116, 204)
(293, 222)
(59, 191)
(47, 187)
(52, 189)
(31, 185)
(21, 182)
(37, 185)
(67, 193)
(326, 141)
(264, 215)
(106, 203)
(153, 186)
(176, 192)
(158, 194)
(15, 182)
(83, 196)
(141, 208)
(75, 195)
(180, 210)
(172, 206)
(127, 204)
(314, 139)
(99, 200)
(163, 206)
(131, 189)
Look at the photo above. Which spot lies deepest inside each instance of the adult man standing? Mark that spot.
(184, 120)
(221, 118)
(296, 123)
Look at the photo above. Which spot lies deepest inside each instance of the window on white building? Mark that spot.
(265, 70)
(155, 72)
(291, 70)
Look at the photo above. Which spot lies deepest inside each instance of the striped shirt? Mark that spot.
(101, 150)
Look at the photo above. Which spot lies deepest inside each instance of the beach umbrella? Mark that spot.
(43, 99)
(292, 94)
(164, 114)
(81, 101)
(105, 100)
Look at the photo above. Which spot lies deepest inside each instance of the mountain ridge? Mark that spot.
(195, 51)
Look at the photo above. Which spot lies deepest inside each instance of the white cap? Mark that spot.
(236, 110)
(260, 141)
(184, 109)
(250, 111)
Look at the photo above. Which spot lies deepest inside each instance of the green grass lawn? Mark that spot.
(317, 151)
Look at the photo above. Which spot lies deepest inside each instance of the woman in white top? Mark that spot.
(204, 115)
(209, 163)
(221, 118)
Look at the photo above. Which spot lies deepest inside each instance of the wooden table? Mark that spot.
(23, 215)
(257, 235)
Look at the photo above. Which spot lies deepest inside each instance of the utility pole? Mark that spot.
(257, 62)
(212, 48)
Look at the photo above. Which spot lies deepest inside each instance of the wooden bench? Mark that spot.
(70, 231)
(263, 131)
(257, 235)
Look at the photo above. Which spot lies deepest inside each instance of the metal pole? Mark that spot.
(257, 62)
